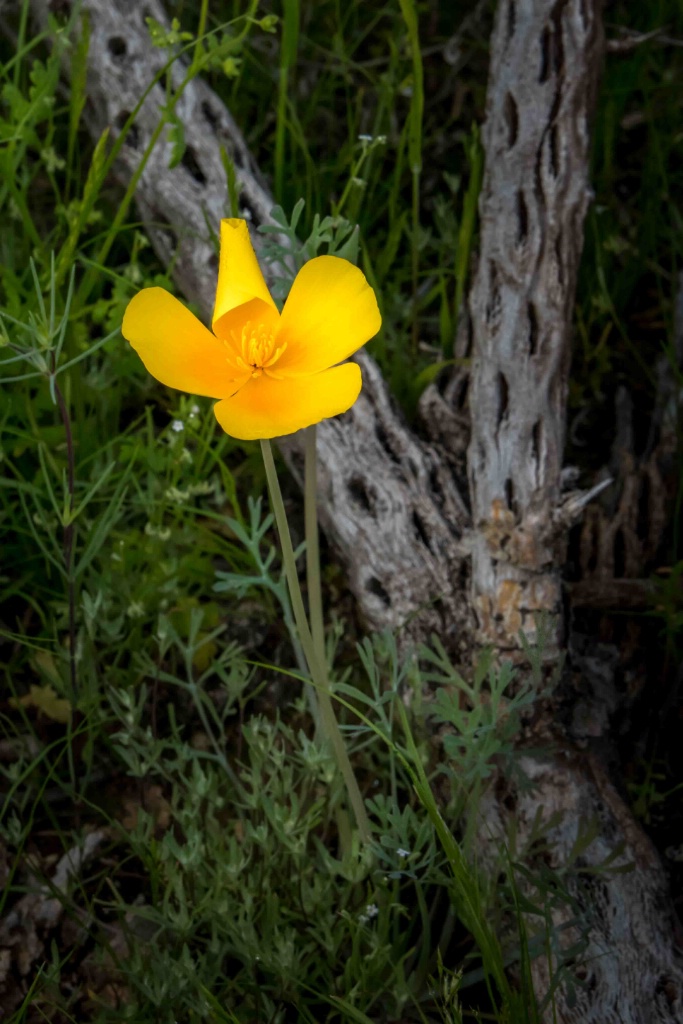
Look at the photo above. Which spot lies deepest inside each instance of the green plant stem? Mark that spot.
(409, 12)
(69, 539)
(199, 45)
(315, 599)
(288, 51)
(317, 668)
(68, 542)
(468, 221)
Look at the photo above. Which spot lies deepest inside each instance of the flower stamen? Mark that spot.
(252, 351)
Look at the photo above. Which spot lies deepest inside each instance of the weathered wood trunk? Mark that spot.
(389, 501)
(545, 61)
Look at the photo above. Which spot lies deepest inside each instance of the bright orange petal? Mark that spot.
(330, 312)
(174, 346)
(239, 275)
(265, 407)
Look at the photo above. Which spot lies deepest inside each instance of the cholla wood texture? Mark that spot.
(545, 63)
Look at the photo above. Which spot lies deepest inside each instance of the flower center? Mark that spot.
(253, 351)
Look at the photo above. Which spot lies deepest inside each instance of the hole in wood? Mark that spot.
(533, 328)
(421, 531)
(383, 438)
(373, 586)
(190, 163)
(435, 484)
(510, 499)
(117, 47)
(510, 802)
(553, 151)
(358, 493)
(132, 138)
(442, 381)
(210, 115)
(511, 19)
(522, 218)
(503, 398)
(462, 395)
(511, 119)
(557, 39)
(536, 442)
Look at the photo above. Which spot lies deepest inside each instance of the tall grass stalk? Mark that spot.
(288, 52)
(415, 116)
(315, 600)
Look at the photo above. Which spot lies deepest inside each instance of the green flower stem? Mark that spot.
(316, 667)
(315, 600)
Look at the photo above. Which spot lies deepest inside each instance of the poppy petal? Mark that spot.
(239, 275)
(266, 407)
(330, 313)
(174, 346)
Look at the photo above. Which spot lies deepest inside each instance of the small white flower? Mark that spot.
(177, 425)
(403, 853)
(365, 138)
(176, 495)
(51, 160)
(135, 610)
(162, 532)
(370, 912)
(205, 487)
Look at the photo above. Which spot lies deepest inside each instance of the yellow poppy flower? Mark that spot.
(273, 373)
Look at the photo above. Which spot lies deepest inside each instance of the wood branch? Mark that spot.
(545, 56)
(545, 60)
(387, 502)
(616, 918)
